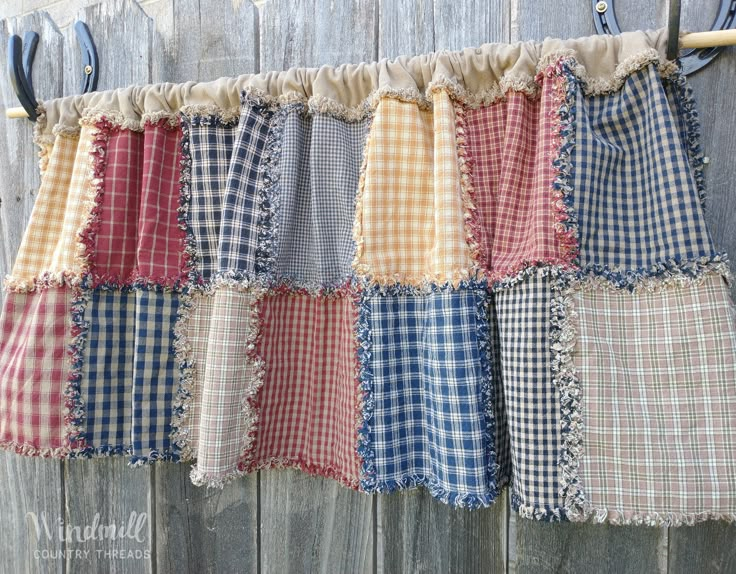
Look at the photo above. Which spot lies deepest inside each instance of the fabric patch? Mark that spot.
(309, 400)
(160, 247)
(231, 378)
(35, 331)
(511, 143)
(107, 373)
(531, 399)
(409, 224)
(657, 374)
(156, 374)
(239, 231)
(429, 424)
(637, 201)
(211, 145)
(319, 170)
(114, 254)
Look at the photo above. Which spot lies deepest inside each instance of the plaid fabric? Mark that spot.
(228, 379)
(309, 400)
(239, 234)
(45, 226)
(107, 374)
(156, 374)
(635, 195)
(412, 214)
(117, 236)
(211, 145)
(511, 143)
(657, 373)
(160, 245)
(35, 329)
(428, 421)
(320, 164)
(531, 398)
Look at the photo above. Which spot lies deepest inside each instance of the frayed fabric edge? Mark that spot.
(468, 501)
(313, 469)
(659, 519)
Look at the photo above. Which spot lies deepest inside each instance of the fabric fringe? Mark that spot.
(659, 519)
(210, 115)
(536, 513)
(330, 472)
(154, 456)
(436, 490)
(26, 449)
(364, 353)
(75, 407)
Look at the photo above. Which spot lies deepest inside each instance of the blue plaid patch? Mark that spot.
(238, 235)
(108, 370)
(156, 374)
(531, 398)
(636, 197)
(320, 166)
(428, 425)
(211, 145)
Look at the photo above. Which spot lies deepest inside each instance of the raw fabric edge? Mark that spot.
(364, 353)
(313, 469)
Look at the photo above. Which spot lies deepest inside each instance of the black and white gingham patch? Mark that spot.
(531, 398)
(635, 194)
(320, 164)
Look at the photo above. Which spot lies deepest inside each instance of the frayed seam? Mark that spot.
(153, 456)
(364, 353)
(198, 115)
(26, 449)
(74, 403)
(102, 451)
(189, 261)
(543, 514)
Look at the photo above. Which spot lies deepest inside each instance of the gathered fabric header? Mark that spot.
(462, 271)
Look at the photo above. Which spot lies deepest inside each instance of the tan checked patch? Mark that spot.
(658, 379)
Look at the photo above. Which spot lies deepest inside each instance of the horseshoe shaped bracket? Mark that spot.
(692, 59)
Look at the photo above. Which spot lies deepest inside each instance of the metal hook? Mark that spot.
(673, 30)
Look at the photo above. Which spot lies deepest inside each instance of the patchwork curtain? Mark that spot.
(462, 271)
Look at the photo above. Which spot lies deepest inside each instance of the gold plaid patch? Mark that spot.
(410, 224)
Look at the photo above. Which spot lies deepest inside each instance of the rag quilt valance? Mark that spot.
(463, 270)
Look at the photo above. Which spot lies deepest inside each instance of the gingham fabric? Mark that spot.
(461, 272)
(636, 197)
(531, 399)
(657, 376)
(320, 163)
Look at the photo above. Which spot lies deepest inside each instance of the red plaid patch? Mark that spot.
(115, 252)
(309, 399)
(160, 241)
(512, 144)
(36, 330)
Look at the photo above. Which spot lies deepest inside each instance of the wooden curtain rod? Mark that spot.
(695, 40)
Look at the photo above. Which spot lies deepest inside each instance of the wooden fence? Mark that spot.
(284, 521)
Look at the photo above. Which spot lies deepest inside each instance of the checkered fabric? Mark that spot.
(309, 400)
(239, 229)
(114, 254)
(160, 245)
(512, 144)
(412, 213)
(531, 398)
(107, 375)
(211, 145)
(635, 195)
(319, 170)
(229, 378)
(428, 421)
(657, 374)
(35, 333)
(156, 373)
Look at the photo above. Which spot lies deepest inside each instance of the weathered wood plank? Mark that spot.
(311, 524)
(203, 40)
(707, 547)
(105, 492)
(532, 20)
(405, 27)
(420, 534)
(202, 529)
(314, 33)
(462, 24)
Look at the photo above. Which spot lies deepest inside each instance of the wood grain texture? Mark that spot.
(418, 534)
(105, 491)
(204, 530)
(202, 40)
(405, 27)
(312, 524)
(462, 24)
(311, 33)
(708, 547)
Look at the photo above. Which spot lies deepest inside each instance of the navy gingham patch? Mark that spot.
(156, 374)
(211, 145)
(636, 197)
(106, 387)
(531, 398)
(429, 424)
(319, 171)
(240, 212)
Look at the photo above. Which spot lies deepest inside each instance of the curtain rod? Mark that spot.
(695, 40)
